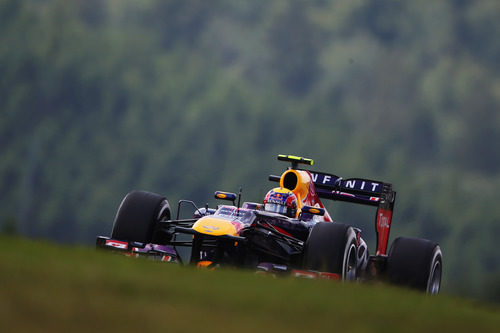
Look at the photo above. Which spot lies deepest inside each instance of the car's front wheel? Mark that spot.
(137, 216)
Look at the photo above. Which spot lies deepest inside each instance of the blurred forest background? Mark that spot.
(184, 98)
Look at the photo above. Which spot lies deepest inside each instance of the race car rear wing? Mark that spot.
(355, 190)
(361, 191)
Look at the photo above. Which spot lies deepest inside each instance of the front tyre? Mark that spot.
(415, 263)
(332, 247)
(138, 215)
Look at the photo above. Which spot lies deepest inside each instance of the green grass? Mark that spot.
(47, 287)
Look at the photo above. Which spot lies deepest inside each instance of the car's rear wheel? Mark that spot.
(416, 263)
(138, 215)
(331, 247)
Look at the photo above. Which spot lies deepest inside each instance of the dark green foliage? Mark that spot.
(186, 97)
(9, 226)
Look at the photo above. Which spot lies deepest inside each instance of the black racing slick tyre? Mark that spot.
(415, 263)
(332, 247)
(138, 215)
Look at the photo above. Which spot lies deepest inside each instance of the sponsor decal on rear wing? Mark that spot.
(356, 184)
(358, 190)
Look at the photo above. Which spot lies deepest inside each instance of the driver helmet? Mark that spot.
(281, 201)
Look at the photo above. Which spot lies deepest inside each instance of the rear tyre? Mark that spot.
(415, 263)
(331, 247)
(138, 215)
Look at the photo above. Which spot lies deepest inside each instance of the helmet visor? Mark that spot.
(275, 208)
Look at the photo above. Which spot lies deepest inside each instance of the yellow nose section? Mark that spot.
(213, 226)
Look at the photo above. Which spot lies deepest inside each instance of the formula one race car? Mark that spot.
(289, 233)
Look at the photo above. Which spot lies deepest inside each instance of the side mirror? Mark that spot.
(225, 196)
(313, 210)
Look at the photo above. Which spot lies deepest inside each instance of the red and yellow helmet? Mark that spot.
(282, 201)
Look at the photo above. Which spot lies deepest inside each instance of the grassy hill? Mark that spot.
(47, 287)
